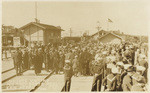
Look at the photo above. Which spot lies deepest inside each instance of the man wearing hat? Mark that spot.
(56, 61)
(98, 75)
(127, 80)
(75, 65)
(37, 59)
(62, 61)
(18, 60)
(119, 75)
(26, 59)
(67, 75)
(85, 59)
(69, 56)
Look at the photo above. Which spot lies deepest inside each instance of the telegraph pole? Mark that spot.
(98, 27)
(70, 32)
(36, 12)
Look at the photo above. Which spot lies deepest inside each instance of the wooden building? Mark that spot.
(8, 33)
(107, 37)
(98, 34)
(40, 33)
(71, 39)
(111, 38)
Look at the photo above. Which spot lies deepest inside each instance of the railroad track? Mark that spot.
(8, 70)
(33, 88)
(3, 81)
(40, 83)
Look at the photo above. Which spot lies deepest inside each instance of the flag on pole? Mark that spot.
(110, 20)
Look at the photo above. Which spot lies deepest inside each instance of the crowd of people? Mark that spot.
(115, 67)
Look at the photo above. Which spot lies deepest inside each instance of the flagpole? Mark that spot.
(107, 25)
(36, 11)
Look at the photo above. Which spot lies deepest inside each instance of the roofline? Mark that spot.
(36, 25)
(112, 34)
(33, 24)
(99, 31)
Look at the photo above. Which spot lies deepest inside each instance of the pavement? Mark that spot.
(8, 74)
(23, 83)
(81, 84)
(29, 80)
(7, 64)
(53, 84)
(56, 82)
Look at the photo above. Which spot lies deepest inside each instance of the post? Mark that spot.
(38, 34)
(70, 32)
(29, 38)
(36, 11)
(98, 27)
(107, 26)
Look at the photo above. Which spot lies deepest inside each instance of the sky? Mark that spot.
(130, 17)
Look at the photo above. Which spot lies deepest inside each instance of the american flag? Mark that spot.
(110, 20)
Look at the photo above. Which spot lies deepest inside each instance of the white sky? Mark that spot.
(129, 17)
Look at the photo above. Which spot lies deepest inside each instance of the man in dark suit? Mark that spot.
(18, 60)
(99, 72)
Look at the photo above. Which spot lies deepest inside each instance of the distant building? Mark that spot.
(116, 36)
(71, 39)
(110, 38)
(40, 33)
(98, 34)
(107, 37)
(8, 33)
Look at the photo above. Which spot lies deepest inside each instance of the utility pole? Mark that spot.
(98, 27)
(36, 20)
(70, 32)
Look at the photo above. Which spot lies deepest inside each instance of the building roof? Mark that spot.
(100, 32)
(8, 30)
(112, 34)
(43, 26)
